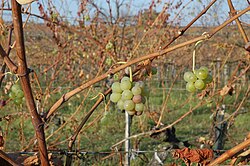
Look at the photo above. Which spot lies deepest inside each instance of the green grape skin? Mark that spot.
(201, 74)
(136, 90)
(19, 93)
(189, 77)
(120, 104)
(199, 84)
(204, 68)
(139, 107)
(125, 78)
(127, 95)
(190, 87)
(12, 95)
(15, 87)
(129, 105)
(137, 99)
(195, 72)
(115, 97)
(209, 79)
(125, 85)
(116, 87)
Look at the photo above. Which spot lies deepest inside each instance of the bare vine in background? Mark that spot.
(119, 43)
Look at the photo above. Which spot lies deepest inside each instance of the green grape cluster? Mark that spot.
(16, 94)
(129, 96)
(197, 79)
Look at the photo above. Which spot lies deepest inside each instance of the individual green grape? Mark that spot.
(120, 104)
(127, 95)
(201, 74)
(15, 87)
(125, 85)
(136, 90)
(129, 105)
(199, 84)
(139, 107)
(209, 79)
(190, 87)
(137, 99)
(116, 87)
(125, 78)
(115, 97)
(189, 77)
(12, 95)
(19, 93)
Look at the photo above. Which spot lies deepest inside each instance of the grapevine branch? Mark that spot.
(228, 154)
(14, 67)
(8, 159)
(232, 13)
(68, 95)
(25, 83)
(74, 136)
(181, 32)
(7, 60)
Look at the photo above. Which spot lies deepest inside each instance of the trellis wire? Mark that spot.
(65, 152)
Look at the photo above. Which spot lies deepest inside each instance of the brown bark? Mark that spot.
(23, 73)
(228, 154)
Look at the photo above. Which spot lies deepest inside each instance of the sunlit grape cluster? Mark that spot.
(128, 96)
(197, 79)
(16, 94)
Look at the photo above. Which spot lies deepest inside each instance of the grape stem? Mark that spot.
(130, 74)
(101, 94)
(194, 52)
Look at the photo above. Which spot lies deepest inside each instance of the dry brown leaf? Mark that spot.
(243, 154)
(228, 89)
(201, 156)
(32, 160)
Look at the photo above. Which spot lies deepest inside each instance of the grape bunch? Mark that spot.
(16, 94)
(128, 96)
(197, 79)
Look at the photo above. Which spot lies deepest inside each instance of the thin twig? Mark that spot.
(234, 12)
